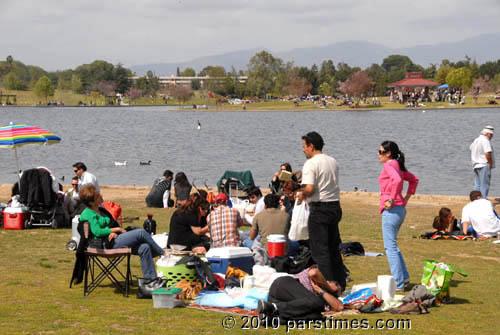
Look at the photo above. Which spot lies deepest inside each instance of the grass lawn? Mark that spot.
(35, 269)
(28, 98)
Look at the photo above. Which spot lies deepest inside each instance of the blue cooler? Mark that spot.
(237, 257)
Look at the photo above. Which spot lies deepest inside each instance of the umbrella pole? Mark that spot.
(17, 165)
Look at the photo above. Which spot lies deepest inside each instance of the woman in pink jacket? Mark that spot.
(392, 206)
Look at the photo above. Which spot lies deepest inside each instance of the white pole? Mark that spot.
(17, 165)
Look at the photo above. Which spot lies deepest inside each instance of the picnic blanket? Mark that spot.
(225, 310)
(437, 235)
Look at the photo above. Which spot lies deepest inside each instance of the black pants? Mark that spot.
(324, 240)
(294, 301)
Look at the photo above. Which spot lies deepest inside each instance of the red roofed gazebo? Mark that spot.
(414, 79)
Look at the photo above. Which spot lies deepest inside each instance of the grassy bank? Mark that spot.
(28, 98)
(35, 271)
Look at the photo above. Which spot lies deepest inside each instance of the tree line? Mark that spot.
(268, 76)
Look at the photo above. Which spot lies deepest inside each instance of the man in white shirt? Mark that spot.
(84, 177)
(320, 178)
(483, 160)
(479, 215)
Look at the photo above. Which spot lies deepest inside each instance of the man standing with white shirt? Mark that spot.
(483, 160)
(320, 178)
(85, 177)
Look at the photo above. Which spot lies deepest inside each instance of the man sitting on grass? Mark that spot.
(270, 221)
(479, 218)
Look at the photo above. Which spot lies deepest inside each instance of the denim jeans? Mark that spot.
(392, 220)
(482, 177)
(143, 245)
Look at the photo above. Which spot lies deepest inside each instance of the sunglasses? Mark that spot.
(75, 170)
(381, 152)
(74, 184)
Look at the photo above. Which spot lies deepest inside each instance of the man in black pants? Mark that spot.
(320, 178)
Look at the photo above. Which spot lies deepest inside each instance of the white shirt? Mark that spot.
(88, 178)
(259, 206)
(478, 150)
(322, 171)
(479, 214)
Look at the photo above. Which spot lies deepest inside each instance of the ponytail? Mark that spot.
(396, 154)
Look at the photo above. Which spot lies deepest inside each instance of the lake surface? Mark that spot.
(435, 142)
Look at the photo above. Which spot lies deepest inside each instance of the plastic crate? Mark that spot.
(175, 274)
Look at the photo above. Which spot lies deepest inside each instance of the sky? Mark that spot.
(62, 34)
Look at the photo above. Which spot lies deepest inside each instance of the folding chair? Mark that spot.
(100, 269)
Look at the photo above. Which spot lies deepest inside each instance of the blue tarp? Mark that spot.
(443, 86)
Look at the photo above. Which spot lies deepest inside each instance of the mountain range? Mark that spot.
(480, 48)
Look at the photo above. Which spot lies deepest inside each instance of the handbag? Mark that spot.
(300, 216)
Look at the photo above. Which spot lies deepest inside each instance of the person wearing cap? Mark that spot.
(483, 160)
(223, 223)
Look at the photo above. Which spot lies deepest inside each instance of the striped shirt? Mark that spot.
(223, 225)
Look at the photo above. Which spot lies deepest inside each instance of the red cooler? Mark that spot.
(276, 244)
(13, 218)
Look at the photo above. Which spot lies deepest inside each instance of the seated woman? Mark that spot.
(188, 225)
(445, 222)
(138, 240)
(302, 297)
(276, 182)
(182, 188)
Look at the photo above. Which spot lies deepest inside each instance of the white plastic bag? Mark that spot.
(300, 216)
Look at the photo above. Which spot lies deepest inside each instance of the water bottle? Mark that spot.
(150, 225)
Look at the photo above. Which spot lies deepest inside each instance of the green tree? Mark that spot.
(461, 77)
(43, 88)
(188, 72)
(311, 75)
(149, 84)
(344, 71)
(496, 81)
(396, 67)
(379, 77)
(35, 74)
(11, 82)
(430, 72)
(326, 72)
(325, 89)
(121, 78)
(263, 71)
(76, 84)
(442, 73)
(195, 84)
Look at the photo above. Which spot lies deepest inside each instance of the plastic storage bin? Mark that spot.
(238, 257)
(13, 218)
(176, 273)
(166, 297)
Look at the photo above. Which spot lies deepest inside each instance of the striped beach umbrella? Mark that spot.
(15, 135)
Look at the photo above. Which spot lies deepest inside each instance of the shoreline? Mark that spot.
(111, 192)
(177, 108)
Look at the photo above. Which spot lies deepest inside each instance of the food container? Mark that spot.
(166, 297)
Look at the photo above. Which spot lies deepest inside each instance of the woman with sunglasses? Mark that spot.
(188, 225)
(392, 206)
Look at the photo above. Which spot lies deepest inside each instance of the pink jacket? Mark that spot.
(391, 184)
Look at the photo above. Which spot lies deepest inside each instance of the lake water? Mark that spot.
(436, 143)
